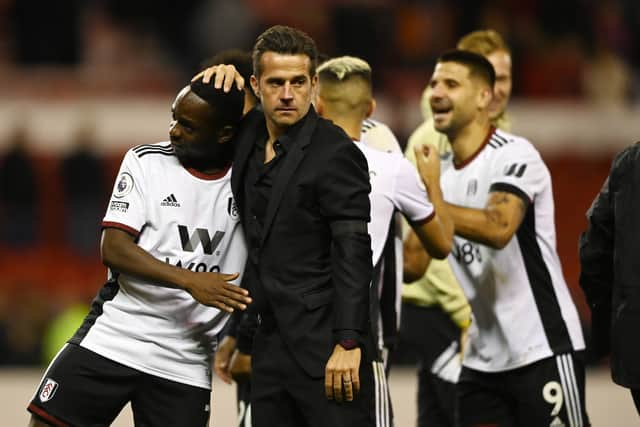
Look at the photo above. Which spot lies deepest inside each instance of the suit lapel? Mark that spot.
(291, 163)
(244, 144)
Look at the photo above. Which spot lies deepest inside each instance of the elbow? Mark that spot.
(440, 254)
(442, 251)
(500, 240)
(414, 269)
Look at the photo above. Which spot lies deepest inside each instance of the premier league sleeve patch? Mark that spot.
(48, 390)
(124, 185)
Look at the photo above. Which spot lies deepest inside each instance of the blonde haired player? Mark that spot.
(345, 97)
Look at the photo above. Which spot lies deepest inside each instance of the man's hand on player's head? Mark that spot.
(214, 290)
(224, 76)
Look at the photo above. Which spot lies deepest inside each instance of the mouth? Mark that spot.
(440, 113)
(286, 109)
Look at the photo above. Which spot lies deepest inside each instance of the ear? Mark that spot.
(485, 95)
(255, 86)
(371, 108)
(319, 104)
(225, 134)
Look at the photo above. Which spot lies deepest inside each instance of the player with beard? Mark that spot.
(170, 229)
(522, 365)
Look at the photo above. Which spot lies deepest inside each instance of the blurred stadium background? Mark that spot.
(82, 81)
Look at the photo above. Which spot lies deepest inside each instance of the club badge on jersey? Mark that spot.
(48, 390)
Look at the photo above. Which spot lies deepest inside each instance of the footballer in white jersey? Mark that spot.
(344, 96)
(522, 363)
(184, 218)
(170, 234)
(522, 309)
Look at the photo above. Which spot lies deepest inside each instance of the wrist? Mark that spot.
(348, 343)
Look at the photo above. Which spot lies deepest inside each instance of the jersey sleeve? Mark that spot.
(410, 195)
(519, 169)
(126, 209)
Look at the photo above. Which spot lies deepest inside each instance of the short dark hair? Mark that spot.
(284, 40)
(227, 107)
(478, 65)
(241, 59)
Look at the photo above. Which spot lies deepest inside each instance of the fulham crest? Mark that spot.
(48, 390)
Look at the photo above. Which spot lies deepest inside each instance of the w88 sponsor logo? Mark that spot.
(466, 253)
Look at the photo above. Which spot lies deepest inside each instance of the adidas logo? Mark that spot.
(170, 201)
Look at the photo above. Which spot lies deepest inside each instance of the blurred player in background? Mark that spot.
(345, 96)
(523, 362)
(435, 297)
(171, 228)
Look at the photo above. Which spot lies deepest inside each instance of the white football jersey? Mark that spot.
(183, 218)
(395, 186)
(377, 135)
(522, 308)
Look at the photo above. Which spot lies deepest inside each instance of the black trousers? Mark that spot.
(283, 395)
(434, 338)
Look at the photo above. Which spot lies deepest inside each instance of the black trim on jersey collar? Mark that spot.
(510, 188)
(141, 150)
(497, 141)
(469, 159)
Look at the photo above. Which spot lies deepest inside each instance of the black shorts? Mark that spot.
(81, 388)
(549, 392)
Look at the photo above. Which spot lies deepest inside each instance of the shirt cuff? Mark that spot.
(348, 338)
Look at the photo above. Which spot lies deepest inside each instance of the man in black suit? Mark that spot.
(302, 190)
(609, 270)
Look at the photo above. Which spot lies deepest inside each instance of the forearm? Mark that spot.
(352, 274)
(120, 253)
(479, 225)
(415, 258)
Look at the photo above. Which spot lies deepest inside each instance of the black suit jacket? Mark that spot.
(313, 266)
(610, 269)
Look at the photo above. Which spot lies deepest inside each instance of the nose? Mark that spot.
(287, 92)
(437, 91)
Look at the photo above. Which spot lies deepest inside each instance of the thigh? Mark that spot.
(551, 392)
(481, 400)
(83, 388)
(159, 402)
(271, 365)
(437, 402)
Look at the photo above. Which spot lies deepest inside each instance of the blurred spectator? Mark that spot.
(22, 322)
(18, 194)
(61, 328)
(83, 179)
(606, 79)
